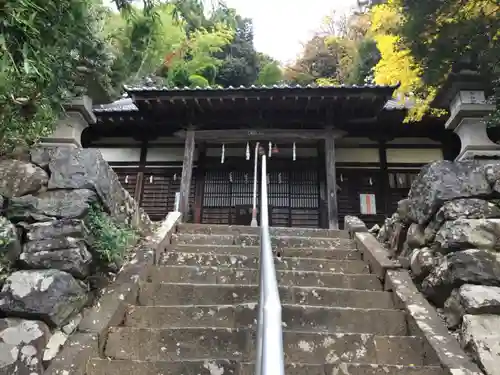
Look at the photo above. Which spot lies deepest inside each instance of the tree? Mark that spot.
(320, 59)
(229, 59)
(49, 51)
(270, 74)
(441, 34)
(339, 53)
(397, 64)
(162, 50)
(366, 58)
(422, 40)
(240, 60)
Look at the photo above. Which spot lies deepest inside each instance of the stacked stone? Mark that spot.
(45, 201)
(448, 233)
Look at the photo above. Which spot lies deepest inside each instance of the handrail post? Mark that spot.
(254, 223)
(270, 354)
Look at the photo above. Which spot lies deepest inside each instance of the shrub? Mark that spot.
(112, 240)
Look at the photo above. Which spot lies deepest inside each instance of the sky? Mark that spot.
(280, 26)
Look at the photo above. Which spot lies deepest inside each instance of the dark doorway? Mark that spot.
(243, 215)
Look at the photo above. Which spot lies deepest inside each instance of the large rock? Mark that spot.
(473, 300)
(65, 254)
(22, 344)
(415, 237)
(479, 335)
(444, 181)
(386, 232)
(51, 205)
(403, 210)
(398, 238)
(422, 261)
(75, 228)
(77, 168)
(10, 246)
(471, 208)
(463, 267)
(18, 178)
(52, 296)
(469, 233)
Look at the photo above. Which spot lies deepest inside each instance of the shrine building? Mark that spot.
(334, 151)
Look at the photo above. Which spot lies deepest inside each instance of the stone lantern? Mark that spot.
(69, 129)
(464, 95)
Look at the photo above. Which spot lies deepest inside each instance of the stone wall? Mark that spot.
(49, 264)
(447, 232)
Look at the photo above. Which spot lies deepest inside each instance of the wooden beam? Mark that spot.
(239, 135)
(331, 181)
(187, 171)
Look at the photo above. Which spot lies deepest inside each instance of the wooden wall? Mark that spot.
(152, 173)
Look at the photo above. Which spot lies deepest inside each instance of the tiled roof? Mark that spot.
(121, 105)
(126, 104)
(253, 87)
(396, 104)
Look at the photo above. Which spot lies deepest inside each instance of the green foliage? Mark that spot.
(411, 42)
(112, 240)
(436, 35)
(163, 47)
(196, 80)
(48, 53)
(270, 74)
(364, 61)
(240, 61)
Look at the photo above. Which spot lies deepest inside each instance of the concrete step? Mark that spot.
(284, 263)
(168, 294)
(295, 317)
(243, 229)
(242, 276)
(252, 240)
(337, 254)
(184, 343)
(226, 367)
(344, 368)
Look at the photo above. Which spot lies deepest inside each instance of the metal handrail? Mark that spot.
(270, 355)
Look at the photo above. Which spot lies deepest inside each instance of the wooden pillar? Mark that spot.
(384, 178)
(187, 172)
(200, 183)
(323, 209)
(331, 181)
(139, 186)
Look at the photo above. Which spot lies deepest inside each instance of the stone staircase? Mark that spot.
(196, 314)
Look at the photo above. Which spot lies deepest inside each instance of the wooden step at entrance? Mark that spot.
(185, 343)
(244, 229)
(226, 367)
(283, 263)
(243, 276)
(164, 294)
(295, 317)
(336, 254)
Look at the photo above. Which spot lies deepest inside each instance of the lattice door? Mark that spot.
(159, 188)
(304, 200)
(224, 191)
